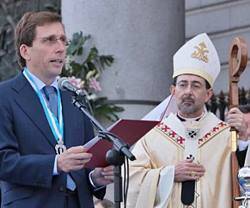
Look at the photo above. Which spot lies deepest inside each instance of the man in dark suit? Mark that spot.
(36, 118)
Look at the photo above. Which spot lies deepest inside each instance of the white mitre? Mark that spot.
(198, 56)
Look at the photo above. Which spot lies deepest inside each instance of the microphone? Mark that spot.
(65, 84)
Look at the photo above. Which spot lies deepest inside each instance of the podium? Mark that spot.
(130, 131)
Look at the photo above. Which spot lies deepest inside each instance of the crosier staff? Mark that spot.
(237, 64)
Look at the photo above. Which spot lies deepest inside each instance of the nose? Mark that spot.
(188, 89)
(60, 46)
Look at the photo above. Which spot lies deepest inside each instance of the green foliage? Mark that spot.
(84, 66)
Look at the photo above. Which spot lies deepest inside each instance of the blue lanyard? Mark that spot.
(55, 125)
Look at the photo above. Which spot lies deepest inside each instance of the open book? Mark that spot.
(130, 131)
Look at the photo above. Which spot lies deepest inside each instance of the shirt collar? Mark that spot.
(39, 83)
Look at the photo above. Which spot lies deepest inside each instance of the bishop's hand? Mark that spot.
(235, 118)
(188, 170)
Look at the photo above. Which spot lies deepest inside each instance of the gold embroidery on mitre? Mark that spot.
(201, 52)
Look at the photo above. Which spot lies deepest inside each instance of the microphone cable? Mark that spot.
(125, 181)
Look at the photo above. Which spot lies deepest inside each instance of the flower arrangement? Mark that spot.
(84, 66)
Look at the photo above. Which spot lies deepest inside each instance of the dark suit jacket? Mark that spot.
(27, 149)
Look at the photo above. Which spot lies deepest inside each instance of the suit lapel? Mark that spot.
(68, 119)
(29, 102)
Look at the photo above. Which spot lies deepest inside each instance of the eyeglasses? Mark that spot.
(52, 40)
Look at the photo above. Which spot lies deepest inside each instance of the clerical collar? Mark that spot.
(190, 119)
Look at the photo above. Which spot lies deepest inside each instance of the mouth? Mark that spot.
(57, 61)
(187, 102)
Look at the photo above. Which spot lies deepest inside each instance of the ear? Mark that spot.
(209, 94)
(172, 89)
(25, 52)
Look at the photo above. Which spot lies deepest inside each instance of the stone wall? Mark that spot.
(222, 20)
(142, 35)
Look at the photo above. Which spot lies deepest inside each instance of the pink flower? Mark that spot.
(94, 84)
(76, 82)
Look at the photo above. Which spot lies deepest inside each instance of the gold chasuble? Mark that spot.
(152, 174)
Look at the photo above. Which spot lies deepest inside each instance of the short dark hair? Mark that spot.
(25, 31)
(208, 86)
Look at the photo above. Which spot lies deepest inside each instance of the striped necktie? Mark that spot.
(51, 96)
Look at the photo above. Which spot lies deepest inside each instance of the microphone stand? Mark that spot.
(114, 157)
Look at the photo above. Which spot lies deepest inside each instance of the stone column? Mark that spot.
(142, 35)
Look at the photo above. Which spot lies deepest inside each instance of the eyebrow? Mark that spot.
(193, 82)
(50, 36)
